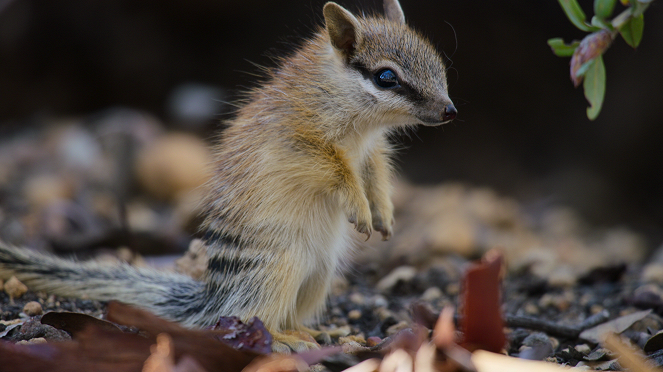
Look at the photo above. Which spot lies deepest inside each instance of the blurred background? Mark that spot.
(521, 129)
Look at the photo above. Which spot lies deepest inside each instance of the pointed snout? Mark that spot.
(449, 113)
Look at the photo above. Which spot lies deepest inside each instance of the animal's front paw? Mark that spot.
(383, 219)
(292, 341)
(384, 226)
(362, 221)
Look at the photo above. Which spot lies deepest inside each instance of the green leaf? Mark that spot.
(584, 67)
(603, 8)
(632, 29)
(575, 14)
(594, 85)
(601, 23)
(561, 49)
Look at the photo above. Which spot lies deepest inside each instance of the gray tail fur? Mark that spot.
(170, 295)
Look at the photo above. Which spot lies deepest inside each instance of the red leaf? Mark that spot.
(482, 321)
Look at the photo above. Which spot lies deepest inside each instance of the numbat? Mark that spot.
(305, 161)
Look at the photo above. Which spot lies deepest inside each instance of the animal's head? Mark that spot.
(397, 69)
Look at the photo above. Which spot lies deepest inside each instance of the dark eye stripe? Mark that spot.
(404, 89)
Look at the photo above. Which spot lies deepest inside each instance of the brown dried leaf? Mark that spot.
(592, 46)
(75, 323)
(213, 355)
(482, 323)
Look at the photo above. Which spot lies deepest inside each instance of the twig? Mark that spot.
(555, 329)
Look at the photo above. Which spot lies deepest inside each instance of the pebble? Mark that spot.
(562, 276)
(401, 273)
(383, 313)
(583, 348)
(358, 339)
(653, 273)
(595, 309)
(357, 298)
(453, 289)
(531, 309)
(397, 327)
(373, 341)
(34, 341)
(173, 165)
(14, 288)
(354, 314)
(432, 294)
(32, 308)
(43, 190)
(378, 301)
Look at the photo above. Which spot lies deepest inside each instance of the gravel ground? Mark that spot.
(88, 188)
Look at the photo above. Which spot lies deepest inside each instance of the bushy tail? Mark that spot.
(170, 295)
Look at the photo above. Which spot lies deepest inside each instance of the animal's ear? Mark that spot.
(342, 26)
(393, 11)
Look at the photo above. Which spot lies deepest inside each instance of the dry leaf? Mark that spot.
(618, 325)
(74, 323)
(482, 323)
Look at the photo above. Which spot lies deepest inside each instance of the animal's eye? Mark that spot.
(386, 78)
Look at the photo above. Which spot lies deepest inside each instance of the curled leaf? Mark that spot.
(592, 46)
(562, 49)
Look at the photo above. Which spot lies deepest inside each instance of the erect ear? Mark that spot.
(393, 11)
(342, 26)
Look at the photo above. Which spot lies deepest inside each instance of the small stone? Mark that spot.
(353, 347)
(34, 341)
(358, 339)
(562, 276)
(453, 289)
(354, 314)
(32, 308)
(531, 309)
(373, 341)
(378, 301)
(339, 286)
(583, 349)
(397, 327)
(173, 165)
(401, 273)
(432, 294)
(383, 313)
(595, 309)
(357, 298)
(14, 288)
(43, 190)
(653, 273)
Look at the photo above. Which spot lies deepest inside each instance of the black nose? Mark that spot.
(449, 113)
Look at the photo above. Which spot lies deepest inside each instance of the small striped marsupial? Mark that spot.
(304, 162)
